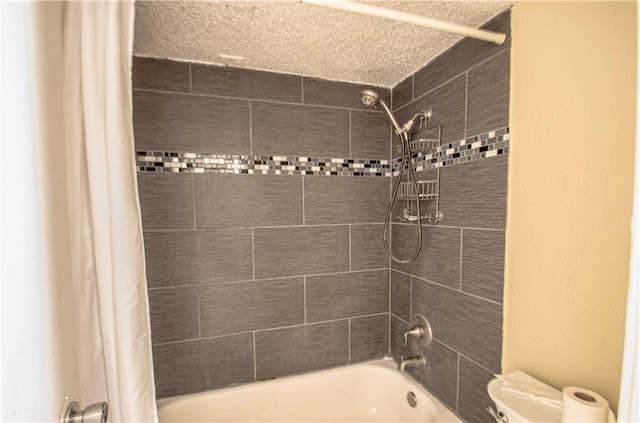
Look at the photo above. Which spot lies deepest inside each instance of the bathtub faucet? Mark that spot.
(415, 331)
(417, 361)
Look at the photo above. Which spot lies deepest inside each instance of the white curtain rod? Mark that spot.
(381, 12)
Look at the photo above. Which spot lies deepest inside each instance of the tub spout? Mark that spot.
(418, 361)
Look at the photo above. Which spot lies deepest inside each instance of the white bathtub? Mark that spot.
(368, 392)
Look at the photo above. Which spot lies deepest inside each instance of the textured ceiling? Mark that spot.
(291, 37)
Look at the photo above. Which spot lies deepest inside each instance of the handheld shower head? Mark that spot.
(372, 99)
(369, 98)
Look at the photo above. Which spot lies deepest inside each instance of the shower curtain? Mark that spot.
(110, 299)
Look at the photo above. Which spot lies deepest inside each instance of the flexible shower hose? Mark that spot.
(406, 157)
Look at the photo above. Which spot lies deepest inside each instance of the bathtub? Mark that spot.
(368, 392)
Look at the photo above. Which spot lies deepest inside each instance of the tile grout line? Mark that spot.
(380, 269)
(461, 241)
(466, 102)
(391, 97)
(458, 353)
(301, 325)
(258, 100)
(413, 86)
(449, 288)
(198, 311)
(389, 320)
(350, 267)
(458, 382)
(304, 288)
(431, 90)
(390, 291)
(304, 218)
(390, 151)
(410, 297)
(195, 213)
(389, 334)
(403, 321)
(318, 225)
(427, 225)
(350, 147)
(190, 79)
(468, 359)
(251, 126)
(302, 90)
(349, 341)
(253, 254)
(255, 370)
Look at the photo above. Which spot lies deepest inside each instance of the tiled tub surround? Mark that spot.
(457, 281)
(258, 275)
(254, 277)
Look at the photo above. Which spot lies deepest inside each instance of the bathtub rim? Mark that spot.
(386, 363)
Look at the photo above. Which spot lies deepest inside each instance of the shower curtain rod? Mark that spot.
(381, 12)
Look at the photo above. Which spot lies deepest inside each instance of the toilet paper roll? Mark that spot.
(584, 406)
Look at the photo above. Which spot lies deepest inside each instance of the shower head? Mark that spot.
(372, 99)
(369, 98)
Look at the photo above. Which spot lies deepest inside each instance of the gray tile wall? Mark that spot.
(457, 281)
(253, 277)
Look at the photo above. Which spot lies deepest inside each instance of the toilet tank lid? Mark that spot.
(525, 408)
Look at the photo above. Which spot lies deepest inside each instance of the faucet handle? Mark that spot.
(421, 329)
(416, 331)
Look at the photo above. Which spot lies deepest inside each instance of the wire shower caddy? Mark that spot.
(428, 190)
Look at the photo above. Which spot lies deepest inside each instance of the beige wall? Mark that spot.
(573, 85)
(48, 17)
(39, 364)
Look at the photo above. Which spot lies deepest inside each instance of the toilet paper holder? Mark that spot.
(94, 413)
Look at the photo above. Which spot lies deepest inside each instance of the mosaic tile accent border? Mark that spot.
(150, 161)
(489, 144)
(474, 148)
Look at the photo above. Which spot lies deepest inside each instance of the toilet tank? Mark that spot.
(524, 409)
